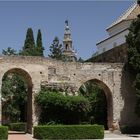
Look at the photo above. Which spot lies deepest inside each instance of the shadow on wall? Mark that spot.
(128, 116)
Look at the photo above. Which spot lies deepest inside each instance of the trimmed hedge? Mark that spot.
(69, 132)
(18, 126)
(3, 132)
(130, 129)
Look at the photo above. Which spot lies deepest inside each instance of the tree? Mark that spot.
(63, 109)
(138, 1)
(80, 60)
(133, 41)
(98, 102)
(39, 46)
(56, 49)
(14, 98)
(29, 44)
(9, 51)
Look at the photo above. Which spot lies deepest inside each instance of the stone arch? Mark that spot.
(109, 99)
(28, 80)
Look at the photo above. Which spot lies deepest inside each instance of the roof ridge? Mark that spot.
(124, 15)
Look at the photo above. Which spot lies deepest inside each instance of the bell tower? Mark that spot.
(68, 51)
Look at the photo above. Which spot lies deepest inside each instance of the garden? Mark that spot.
(70, 117)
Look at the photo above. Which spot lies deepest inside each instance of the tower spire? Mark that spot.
(68, 51)
(66, 22)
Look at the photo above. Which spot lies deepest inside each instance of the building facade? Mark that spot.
(118, 30)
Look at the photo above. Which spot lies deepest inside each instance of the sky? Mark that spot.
(88, 21)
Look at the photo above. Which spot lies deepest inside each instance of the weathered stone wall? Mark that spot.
(128, 116)
(115, 55)
(70, 76)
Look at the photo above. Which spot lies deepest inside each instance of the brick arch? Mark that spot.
(109, 99)
(28, 80)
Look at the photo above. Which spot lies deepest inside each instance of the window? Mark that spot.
(67, 46)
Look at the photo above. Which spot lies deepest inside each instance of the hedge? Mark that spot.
(58, 107)
(130, 129)
(20, 126)
(69, 132)
(3, 132)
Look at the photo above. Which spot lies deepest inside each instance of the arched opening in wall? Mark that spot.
(100, 100)
(17, 99)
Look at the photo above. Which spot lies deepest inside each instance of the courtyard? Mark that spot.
(49, 91)
(108, 136)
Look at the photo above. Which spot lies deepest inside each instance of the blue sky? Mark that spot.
(88, 21)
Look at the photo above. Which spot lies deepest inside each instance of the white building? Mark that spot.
(118, 30)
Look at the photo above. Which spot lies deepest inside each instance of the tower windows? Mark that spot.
(67, 46)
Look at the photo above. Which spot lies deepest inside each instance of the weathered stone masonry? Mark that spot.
(42, 71)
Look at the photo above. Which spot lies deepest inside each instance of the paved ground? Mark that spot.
(14, 135)
(108, 136)
(118, 136)
(20, 137)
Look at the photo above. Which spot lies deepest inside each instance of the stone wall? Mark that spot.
(117, 54)
(39, 71)
(128, 116)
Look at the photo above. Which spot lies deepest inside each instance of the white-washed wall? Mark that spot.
(112, 42)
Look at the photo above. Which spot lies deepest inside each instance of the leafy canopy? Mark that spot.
(61, 108)
(133, 41)
(9, 51)
(56, 49)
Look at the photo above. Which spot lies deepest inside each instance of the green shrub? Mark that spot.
(3, 132)
(20, 126)
(130, 129)
(69, 132)
(62, 109)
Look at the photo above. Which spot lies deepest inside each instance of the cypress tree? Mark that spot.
(39, 45)
(29, 44)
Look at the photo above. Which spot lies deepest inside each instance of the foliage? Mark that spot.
(137, 84)
(56, 50)
(138, 1)
(3, 132)
(62, 109)
(80, 60)
(97, 99)
(133, 41)
(30, 48)
(20, 126)
(130, 129)
(39, 45)
(9, 51)
(14, 88)
(88, 87)
(14, 98)
(69, 132)
(29, 44)
(14, 95)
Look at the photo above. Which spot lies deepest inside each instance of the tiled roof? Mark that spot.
(130, 14)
